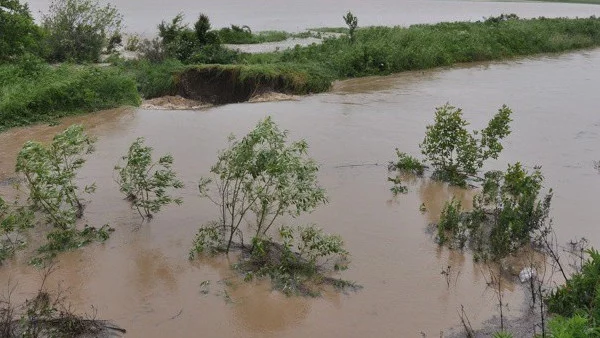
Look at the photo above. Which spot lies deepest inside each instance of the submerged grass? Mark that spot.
(36, 92)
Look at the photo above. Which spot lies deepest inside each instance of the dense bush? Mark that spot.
(509, 213)
(577, 303)
(198, 45)
(18, 33)
(78, 30)
(258, 180)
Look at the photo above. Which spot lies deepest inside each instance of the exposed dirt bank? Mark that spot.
(221, 84)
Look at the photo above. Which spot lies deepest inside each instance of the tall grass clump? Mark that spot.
(154, 79)
(34, 92)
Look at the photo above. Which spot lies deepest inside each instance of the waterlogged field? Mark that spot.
(142, 279)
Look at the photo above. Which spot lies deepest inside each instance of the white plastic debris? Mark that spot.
(527, 274)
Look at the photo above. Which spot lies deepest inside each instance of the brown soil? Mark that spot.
(218, 85)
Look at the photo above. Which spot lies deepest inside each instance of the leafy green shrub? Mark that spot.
(577, 326)
(456, 154)
(296, 261)
(19, 34)
(262, 177)
(581, 291)
(183, 43)
(258, 179)
(145, 182)
(451, 221)
(51, 171)
(78, 30)
(508, 214)
(407, 163)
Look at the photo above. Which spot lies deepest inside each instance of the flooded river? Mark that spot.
(141, 277)
(142, 16)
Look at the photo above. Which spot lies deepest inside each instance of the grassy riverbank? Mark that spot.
(387, 50)
(36, 92)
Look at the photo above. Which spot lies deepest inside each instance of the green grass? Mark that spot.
(34, 92)
(153, 79)
(386, 50)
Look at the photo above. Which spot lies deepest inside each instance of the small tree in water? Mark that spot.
(50, 173)
(508, 214)
(457, 154)
(261, 178)
(258, 179)
(145, 185)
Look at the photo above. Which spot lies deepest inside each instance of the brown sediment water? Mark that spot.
(141, 277)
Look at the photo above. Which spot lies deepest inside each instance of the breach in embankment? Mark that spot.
(195, 64)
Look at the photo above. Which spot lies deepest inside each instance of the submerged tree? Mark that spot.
(457, 154)
(258, 179)
(50, 173)
(508, 214)
(145, 182)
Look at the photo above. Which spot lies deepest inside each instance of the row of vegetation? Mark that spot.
(259, 177)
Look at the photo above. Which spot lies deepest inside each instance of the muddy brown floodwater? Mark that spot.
(142, 16)
(141, 277)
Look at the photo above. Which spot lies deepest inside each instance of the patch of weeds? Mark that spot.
(407, 163)
(397, 188)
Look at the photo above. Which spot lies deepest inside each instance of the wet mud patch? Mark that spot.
(174, 103)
